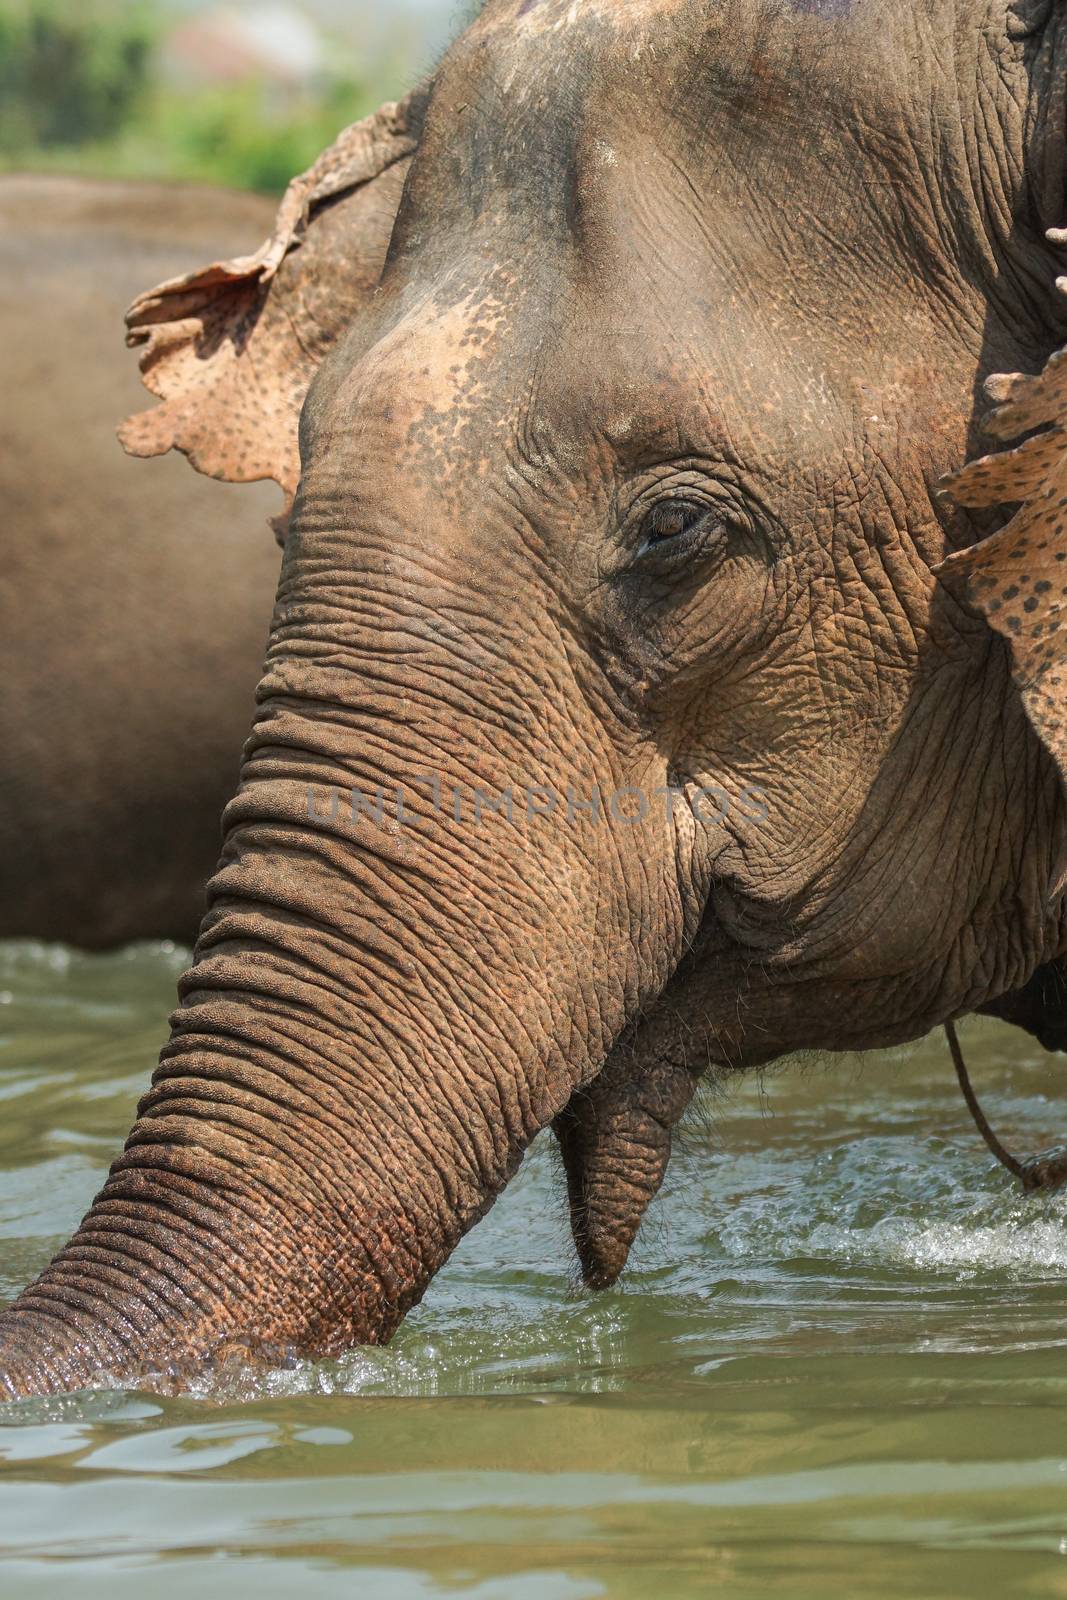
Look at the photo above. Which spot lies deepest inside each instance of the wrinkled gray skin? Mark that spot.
(134, 600)
(626, 476)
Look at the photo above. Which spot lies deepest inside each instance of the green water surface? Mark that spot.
(837, 1366)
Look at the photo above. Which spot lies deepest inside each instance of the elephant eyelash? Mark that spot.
(676, 529)
(671, 520)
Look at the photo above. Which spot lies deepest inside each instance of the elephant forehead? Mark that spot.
(435, 395)
(558, 16)
(437, 349)
(533, 17)
(530, 44)
(533, 111)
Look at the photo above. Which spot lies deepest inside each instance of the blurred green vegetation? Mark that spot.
(80, 91)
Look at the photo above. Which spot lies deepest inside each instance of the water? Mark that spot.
(835, 1369)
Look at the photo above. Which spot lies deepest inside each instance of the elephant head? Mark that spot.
(636, 704)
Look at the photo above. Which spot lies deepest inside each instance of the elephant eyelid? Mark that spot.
(673, 530)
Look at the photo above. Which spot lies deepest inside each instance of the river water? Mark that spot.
(837, 1366)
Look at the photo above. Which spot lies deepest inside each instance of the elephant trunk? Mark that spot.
(381, 1015)
(283, 1185)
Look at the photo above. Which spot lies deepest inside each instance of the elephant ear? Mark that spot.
(1017, 578)
(231, 349)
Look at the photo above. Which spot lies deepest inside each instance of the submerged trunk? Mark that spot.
(282, 1185)
(380, 1017)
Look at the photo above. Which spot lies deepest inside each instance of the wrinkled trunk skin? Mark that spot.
(379, 1018)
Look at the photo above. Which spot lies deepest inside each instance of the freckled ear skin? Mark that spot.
(231, 349)
(1017, 578)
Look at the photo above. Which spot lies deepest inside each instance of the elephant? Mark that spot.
(661, 681)
(128, 682)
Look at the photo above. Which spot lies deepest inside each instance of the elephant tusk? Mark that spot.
(1045, 1171)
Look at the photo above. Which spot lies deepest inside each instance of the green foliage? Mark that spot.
(69, 76)
(233, 136)
(80, 92)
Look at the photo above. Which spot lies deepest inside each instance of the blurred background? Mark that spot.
(244, 93)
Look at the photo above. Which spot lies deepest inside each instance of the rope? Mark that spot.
(1046, 1171)
(1005, 1157)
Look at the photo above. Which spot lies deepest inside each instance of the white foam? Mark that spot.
(1020, 1245)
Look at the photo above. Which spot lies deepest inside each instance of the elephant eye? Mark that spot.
(673, 526)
